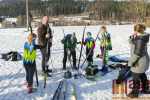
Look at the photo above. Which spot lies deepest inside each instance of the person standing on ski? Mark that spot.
(90, 44)
(105, 42)
(29, 58)
(69, 42)
(42, 31)
(139, 61)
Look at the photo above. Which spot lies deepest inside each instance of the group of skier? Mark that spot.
(139, 61)
(70, 42)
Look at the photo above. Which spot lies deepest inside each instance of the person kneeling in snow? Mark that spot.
(69, 42)
(29, 59)
(90, 44)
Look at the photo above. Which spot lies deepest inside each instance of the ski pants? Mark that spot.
(43, 52)
(90, 57)
(29, 75)
(73, 53)
(106, 60)
(136, 83)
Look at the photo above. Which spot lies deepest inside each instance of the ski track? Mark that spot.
(12, 76)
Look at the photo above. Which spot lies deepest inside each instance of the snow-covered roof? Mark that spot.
(6, 21)
(11, 20)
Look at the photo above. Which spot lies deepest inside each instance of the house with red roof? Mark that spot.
(6, 25)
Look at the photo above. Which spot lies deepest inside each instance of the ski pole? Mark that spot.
(63, 31)
(79, 51)
(104, 53)
(84, 50)
(46, 55)
(81, 47)
(89, 51)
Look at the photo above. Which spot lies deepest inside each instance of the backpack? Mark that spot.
(12, 56)
(124, 73)
(91, 70)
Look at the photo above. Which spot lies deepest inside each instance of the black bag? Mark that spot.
(124, 73)
(91, 70)
(12, 56)
(115, 66)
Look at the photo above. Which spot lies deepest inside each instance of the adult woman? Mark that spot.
(139, 61)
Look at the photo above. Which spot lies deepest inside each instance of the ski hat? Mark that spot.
(88, 33)
(34, 38)
(73, 33)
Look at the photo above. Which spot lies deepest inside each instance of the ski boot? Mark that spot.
(99, 56)
(74, 67)
(144, 92)
(89, 65)
(64, 66)
(31, 90)
(49, 70)
(47, 75)
(104, 70)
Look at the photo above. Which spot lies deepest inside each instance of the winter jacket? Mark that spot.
(90, 43)
(42, 31)
(68, 44)
(108, 44)
(30, 53)
(139, 60)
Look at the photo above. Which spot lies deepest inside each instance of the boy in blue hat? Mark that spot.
(90, 44)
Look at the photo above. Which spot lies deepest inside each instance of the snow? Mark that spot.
(12, 74)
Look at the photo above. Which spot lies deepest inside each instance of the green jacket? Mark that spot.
(68, 43)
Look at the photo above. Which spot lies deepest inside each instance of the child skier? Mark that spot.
(90, 44)
(69, 42)
(105, 42)
(29, 59)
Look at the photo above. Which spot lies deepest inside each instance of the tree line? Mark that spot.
(47, 7)
(127, 10)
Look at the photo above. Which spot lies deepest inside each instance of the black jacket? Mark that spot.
(42, 31)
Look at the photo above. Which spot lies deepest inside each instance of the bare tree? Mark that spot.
(20, 20)
(61, 19)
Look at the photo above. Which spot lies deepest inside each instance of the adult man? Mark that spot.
(42, 31)
(69, 42)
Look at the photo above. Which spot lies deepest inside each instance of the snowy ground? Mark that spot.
(12, 74)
